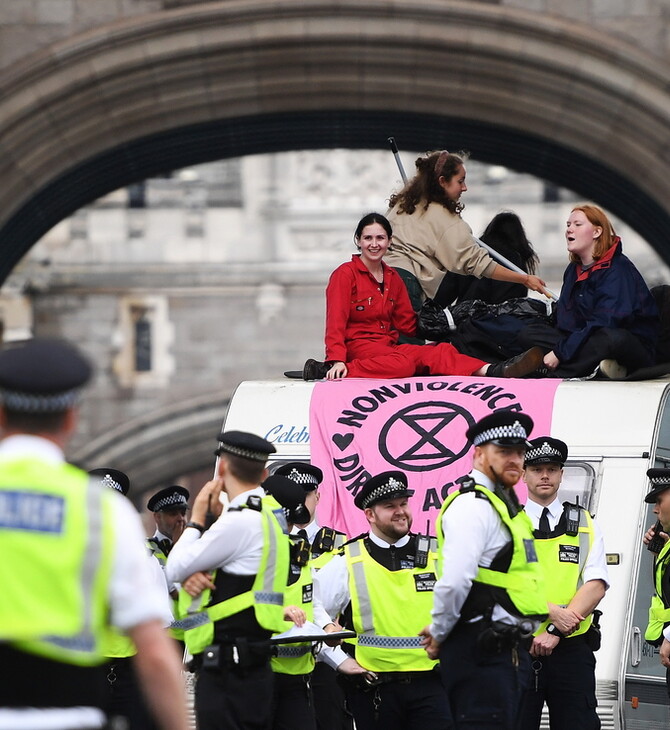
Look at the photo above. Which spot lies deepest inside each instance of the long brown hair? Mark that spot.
(425, 188)
(597, 217)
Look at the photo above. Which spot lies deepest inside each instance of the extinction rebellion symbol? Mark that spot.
(425, 436)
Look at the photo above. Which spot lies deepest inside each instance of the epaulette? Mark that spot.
(254, 502)
(467, 484)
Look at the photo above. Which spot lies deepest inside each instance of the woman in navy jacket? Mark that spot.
(606, 317)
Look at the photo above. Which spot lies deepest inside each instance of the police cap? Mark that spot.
(659, 479)
(112, 478)
(387, 485)
(174, 497)
(503, 428)
(546, 450)
(42, 375)
(245, 445)
(307, 476)
(290, 495)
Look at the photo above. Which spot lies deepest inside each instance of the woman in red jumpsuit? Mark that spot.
(367, 306)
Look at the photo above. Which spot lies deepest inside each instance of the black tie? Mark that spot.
(303, 534)
(544, 522)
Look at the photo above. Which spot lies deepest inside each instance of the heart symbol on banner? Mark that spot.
(342, 440)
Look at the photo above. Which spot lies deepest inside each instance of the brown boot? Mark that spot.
(519, 366)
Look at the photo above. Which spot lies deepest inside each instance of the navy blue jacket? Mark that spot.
(611, 293)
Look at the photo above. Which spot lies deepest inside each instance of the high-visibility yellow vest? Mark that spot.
(318, 561)
(266, 595)
(157, 552)
(523, 581)
(563, 559)
(296, 658)
(57, 542)
(659, 613)
(389, 608)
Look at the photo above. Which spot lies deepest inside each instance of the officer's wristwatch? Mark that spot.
(551, 629)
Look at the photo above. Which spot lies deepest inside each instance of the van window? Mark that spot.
(578, 483)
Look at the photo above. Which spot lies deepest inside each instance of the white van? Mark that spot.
(615, 432)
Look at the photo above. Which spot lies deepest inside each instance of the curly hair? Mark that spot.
(597, 217)
(425, 187)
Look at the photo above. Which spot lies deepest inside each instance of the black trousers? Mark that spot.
(125, 696)
(484, 690)
(230, 698)
(419, 703)
(566, 682)
(606, 342)
(329, 701)
(293, 702)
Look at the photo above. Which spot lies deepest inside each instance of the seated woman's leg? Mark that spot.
(441, 359)
(392, 364)
(606, 343)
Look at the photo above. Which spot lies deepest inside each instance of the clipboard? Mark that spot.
(312, 638)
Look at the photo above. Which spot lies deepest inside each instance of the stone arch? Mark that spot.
(227, 78)
(177, 439)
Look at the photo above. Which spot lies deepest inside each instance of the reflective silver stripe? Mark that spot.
(584, 545)
(84, 641)
(364, 602)
(191, 622)
(271, 597)
(271, 567)
(389, 642)
(292, 652)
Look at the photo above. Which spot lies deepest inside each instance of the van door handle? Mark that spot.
(636, 647)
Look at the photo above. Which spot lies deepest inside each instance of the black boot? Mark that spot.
(315, 370)
(519, 366)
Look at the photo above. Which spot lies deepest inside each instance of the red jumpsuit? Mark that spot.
(363, 324)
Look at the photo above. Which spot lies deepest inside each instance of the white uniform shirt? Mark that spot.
(596, 565)
(234, 542)
(474, 534)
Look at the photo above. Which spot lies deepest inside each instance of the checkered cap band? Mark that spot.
(107, 481)
(244, 453)
(170, 501)
(39, 402)
(301, 477)
(513, 430)
(391, 486)
(660, 481)
(544, 451)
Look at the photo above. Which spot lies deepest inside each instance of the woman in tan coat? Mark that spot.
(430, 237)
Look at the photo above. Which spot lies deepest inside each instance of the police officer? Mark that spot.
(381, 587)
(169, 507)
(74, 565)
(571, 551)
(125, 697)
(293, 664)
(490, 591)
(658, 628)
(323, 542)
(228, 626)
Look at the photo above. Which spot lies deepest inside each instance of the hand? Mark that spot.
(431, 646)
(330, 629)
(649, 534)
(664, 653)
(551, 361)
(351, 666)
(295, 614)
(195, 584)
(565, 619)
(207, 500)
(537, 284)
(337, 371)
(544, 644)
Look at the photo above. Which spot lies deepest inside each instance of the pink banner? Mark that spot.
(359, 428)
